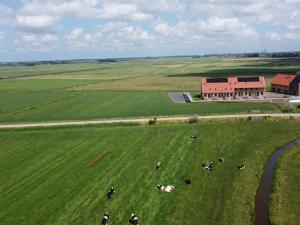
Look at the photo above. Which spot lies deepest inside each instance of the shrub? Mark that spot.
(153, 121)
(193, 119)
(288, 108)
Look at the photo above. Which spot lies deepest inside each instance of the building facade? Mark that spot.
(286, 84)
(233, 88)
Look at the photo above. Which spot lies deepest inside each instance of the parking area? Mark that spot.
(177, 97)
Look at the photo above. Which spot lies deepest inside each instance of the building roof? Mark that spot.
(249, 82)
(296, 81)
(228, 85)
(283, 79)
(221, 86)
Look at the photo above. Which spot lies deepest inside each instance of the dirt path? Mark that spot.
(144, 120)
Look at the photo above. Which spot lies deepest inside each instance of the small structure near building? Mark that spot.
(233, 87)
(188, 98)
(287, 84)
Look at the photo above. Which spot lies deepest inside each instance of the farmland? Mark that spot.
(285, 204)
(60, 175)
(70, 105)
(126, 88)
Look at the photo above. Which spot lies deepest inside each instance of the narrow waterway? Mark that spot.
(265, 188)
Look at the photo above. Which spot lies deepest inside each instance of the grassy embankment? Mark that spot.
(285, 203)
(60, 175)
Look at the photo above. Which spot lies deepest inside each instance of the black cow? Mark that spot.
(105, 218)
(134, 220)
(110, 192)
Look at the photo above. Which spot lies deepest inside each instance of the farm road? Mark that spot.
(145, 120)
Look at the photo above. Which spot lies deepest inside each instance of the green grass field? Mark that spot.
(285, 204)
(128, 88)
(70, 105)
(60, 175)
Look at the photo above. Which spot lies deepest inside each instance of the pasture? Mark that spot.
(285, 204)
(126, 88)
(164, 74)
(61, 175)
(82, 105)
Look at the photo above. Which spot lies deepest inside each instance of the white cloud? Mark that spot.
(41, 15)
(133, 24)
(2, 36)
(162, 5)
(275, 13)
(110, 36)
(28, 38)
(273, 36)
(124, 11)
(5, 14)
(75, 33)
(36, 22)
(292, 36)
(181, 29)
(36, 42)
(214, 28)
(49, 38)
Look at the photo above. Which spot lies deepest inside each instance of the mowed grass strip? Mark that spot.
(17, 85)
(45, 179)
(97, 159)
(285, 203)
(97, 105)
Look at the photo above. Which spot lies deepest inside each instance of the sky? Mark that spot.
(85, 29)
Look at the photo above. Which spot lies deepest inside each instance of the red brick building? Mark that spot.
(286, 84)
(233, 87)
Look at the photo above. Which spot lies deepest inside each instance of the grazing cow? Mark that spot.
(221, 159)
(105, 218)
(208, 165)
(134, 219)
(110, 192)
(187, 181)
(158, 165)
(194, 137)
(158, 187)
(165, 188)
(241, 167)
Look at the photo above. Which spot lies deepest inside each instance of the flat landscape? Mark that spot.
(135, 112)
(126, 88)
(61, 175)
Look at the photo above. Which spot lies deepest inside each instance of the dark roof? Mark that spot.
(248, 79)
(217, 80)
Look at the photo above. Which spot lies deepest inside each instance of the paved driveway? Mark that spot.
(176, 97)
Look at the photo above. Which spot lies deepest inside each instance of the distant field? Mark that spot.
(285, 204)
(159, 74)
(60, 175)
(128, 88)
(75, 105)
